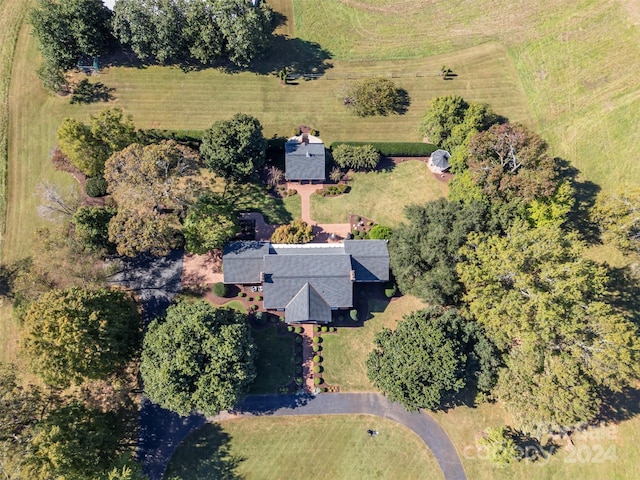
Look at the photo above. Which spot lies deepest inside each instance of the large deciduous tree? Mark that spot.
(618, 216)
(88, 146)
(91, 228)
(75, 443)
(206, 31)
(540, 299)
(450, 120)
(423, 251)
(510, 163)
(425, 358)
(68, 29)
(234, 149)
(21, 407)
(153, 185)
(209, 224)
(75, 334)
(373, 96)
(198, 359)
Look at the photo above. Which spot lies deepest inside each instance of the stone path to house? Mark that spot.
(307, 357)
(162, 440)
(322, 231)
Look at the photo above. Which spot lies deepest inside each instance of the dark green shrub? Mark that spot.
(316, 329)
(316, 348)
(96, 187)
(397, 149)
(299, 330)
(325, 328)
(290, 328)
(354, 314)
(299, 380)
(334, 329)
(317, 339)
(259, 298)
(242, 294)
(317, 369)
(220, 289)
(298, 339)
(298, 369)
(318, 381)
(317, 358)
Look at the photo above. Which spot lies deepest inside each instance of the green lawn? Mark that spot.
(576, 62)
(236, 305)
(608, 452)
(12, 13)
(252, 197)
(380, 195)
(345, 352)
(275, 360)
(330, 447)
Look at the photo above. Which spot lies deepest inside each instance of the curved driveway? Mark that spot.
(357, 403)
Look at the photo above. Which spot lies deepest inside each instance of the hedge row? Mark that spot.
(396, 149)
(191, 138)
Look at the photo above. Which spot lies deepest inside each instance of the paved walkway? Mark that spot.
(322, 231)
(307, 357)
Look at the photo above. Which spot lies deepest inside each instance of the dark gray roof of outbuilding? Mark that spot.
(369, 259)
(242, 262)
(329, 275)
(304, 161)
(440, 159)
(308, 306)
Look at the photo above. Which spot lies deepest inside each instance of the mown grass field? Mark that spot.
(380, 195)
(12, 13)
(332, 447)
(576, 60)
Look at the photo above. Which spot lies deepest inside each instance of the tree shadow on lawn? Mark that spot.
(619, 406)
(585, 195)
(252, 197)
(294, 54)
(625, 291)
(205, 454)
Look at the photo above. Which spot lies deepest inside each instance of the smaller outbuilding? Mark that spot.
(439, 161)
(304, 159)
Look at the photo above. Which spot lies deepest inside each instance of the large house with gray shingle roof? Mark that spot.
(306, 281)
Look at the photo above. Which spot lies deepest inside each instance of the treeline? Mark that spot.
(199, 32)
(83, 339)
(520, 313)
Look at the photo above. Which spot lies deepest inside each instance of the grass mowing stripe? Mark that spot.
(12, 14)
